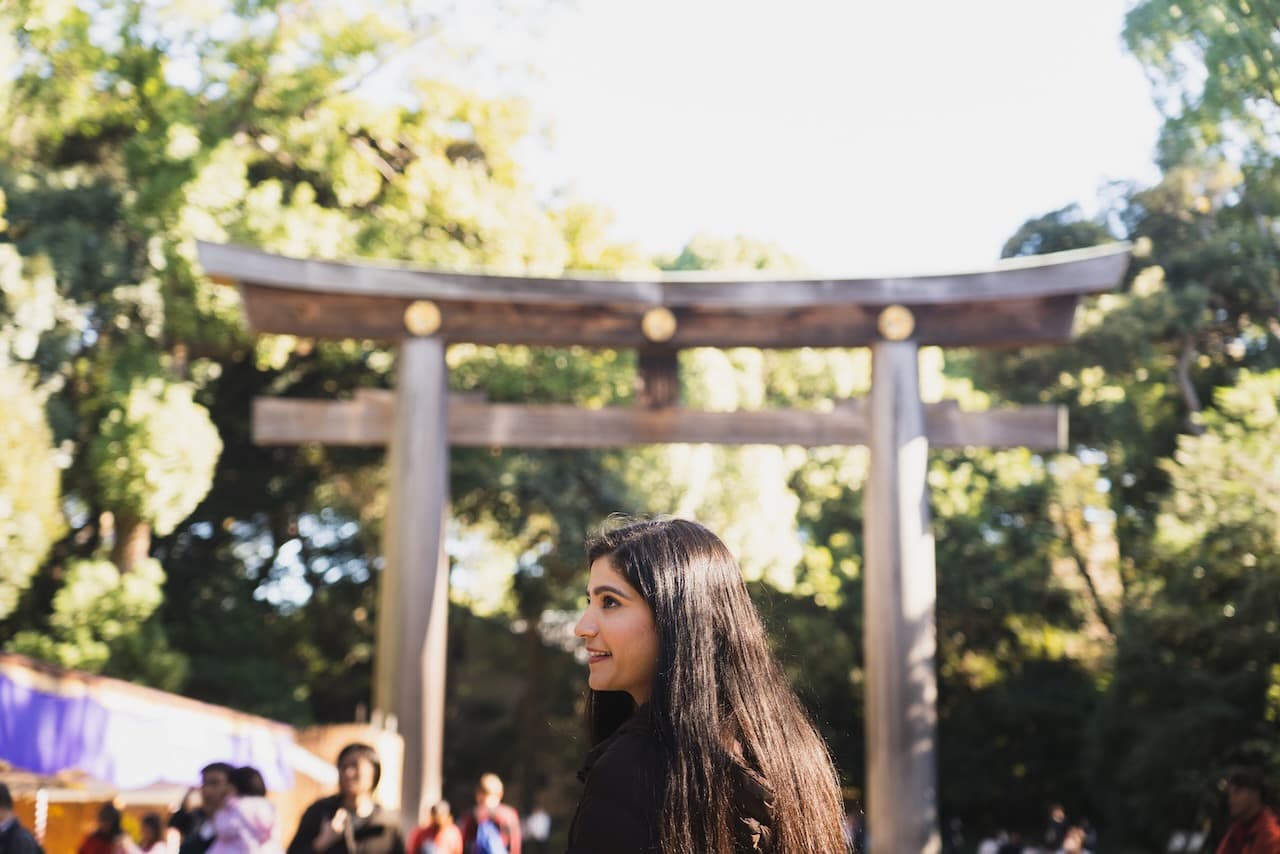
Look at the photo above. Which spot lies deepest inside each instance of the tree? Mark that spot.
(1147, 378)
(1213, 68)
(30, 518)
(159, 127)
(1196, 679)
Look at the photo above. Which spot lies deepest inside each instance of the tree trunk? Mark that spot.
(531, 718)
(132, 545)
(1081, 560)
(1188, 389)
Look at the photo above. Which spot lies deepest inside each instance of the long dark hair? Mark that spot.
(720, 700)
(248, 782)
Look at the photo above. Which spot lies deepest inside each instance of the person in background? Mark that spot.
(108, 837)
(14, 838)
(1012, 844)
(537, 830)
(1254, 828)
(1056, 830)
(990, 844)
(153, 836)
(215, 787)
(350, 822)
(150, 838)
(182, 820)
(246, 824)
(439, 835)
(489, 816)
(1073, 841)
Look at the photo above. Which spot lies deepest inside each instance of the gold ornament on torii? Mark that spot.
(896, 323)
(422, 318)
(659, 325)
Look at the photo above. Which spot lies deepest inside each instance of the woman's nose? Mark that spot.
(585, 627)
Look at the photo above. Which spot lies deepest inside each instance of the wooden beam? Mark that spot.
(1015, 302)
(1074, 272)
(1006, 323)
(366, 421)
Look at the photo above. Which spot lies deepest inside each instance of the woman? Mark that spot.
(246, 824)
(699, 742)
(108, 836)
(350, 822)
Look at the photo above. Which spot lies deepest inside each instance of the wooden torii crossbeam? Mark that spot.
(1023, 301)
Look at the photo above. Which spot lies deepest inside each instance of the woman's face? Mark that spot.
(621, 639)
(355, 776)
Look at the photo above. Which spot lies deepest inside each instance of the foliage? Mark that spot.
(30, 518)
(153, 457)
(253, 130)
(1213, 67)
(1196, 671)
(99, 624)
(1154, 373)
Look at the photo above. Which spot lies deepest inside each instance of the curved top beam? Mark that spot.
(1018, 301)
(1079, 271)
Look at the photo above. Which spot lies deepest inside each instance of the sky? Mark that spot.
(861, 137)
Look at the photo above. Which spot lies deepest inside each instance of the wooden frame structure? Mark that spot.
(1017, 302)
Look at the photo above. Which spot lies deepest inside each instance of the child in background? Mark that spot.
(246, 824)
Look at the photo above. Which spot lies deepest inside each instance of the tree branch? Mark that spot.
(1082, 565)
(1188, 389)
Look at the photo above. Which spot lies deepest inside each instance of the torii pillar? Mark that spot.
(899, 594)
(1021, 301)
(413, 598)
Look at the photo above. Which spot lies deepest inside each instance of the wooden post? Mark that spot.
(899, 627)
(414, 598)
(657, 378)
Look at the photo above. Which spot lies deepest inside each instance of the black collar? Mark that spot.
(641, 721)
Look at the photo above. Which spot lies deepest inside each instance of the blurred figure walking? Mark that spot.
(14, 838)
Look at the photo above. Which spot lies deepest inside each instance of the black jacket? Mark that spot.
(379, 833)
(197, 832)
(622, 800)
(618, 811)
(16, 839)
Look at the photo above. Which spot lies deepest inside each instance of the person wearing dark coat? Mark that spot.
(621, 798)
(350, 822)
(699, 744)
(196, 825)
(14, 838)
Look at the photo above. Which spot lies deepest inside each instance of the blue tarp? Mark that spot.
(127, 736)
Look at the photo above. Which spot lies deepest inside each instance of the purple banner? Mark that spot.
(128, 738)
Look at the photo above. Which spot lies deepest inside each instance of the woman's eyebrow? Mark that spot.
(605, 588)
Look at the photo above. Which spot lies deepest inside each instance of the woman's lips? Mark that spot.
(596, 657)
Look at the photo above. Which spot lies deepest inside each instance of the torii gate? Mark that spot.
(1017, 302)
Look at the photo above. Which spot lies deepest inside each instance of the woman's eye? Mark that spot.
(608, 602)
